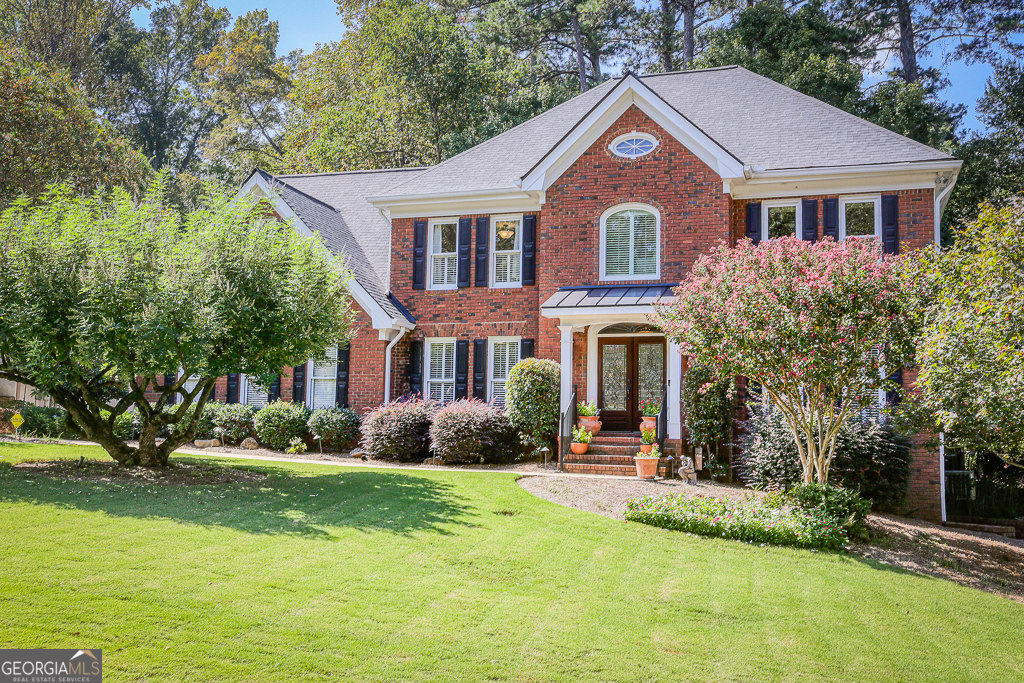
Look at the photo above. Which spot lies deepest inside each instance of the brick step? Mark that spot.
(616, 440)
(598, 468)
(599, 458)
(612, 449)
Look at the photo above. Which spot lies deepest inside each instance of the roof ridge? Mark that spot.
(304, 194)
(691, 71)
(352, 172)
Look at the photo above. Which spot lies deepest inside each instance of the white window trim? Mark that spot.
(491, 341)
(860, 199)
(604, 227)
(311, 383)
(627, 136)
(427, 343)
(430, 253)
(774, 205)
(493, 251)
(243, 389)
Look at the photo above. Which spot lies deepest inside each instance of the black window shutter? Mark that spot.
(275, 390)
(810, 219)
(168, 381)
(341, 394)
(526, 348)
(483, 236)
(465, 251)
(830, 218)
(480, 369)
(891, 223)
(419, 255)
(416, 367)
(529, 250)
(754, 222)
(299, 384)
(892, 396)
(232, 392)
(461, 368)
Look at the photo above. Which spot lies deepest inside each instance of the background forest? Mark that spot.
(92, 98)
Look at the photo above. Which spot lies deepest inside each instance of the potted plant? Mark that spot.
(649, 407)
(647, 437)
(580, 440)
(586, 417)
(647, 463)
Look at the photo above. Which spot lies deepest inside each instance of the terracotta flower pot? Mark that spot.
(579, 448)
(649, 422)
(646, 447)
(646, 468)
(591, 423)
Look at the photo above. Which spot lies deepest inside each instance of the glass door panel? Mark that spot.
(650, 371)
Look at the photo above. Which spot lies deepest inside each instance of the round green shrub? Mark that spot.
(47, 423)
(337, 428)
(471, 431)
(279, 422)
(399, 430)
(844, 505)
(871, 457)
(532, 400)
(205, 428)
(232, 422)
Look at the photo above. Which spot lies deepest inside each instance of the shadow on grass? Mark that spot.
(285, 502)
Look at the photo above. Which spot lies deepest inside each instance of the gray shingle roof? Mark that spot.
(760, 122)
(334, 204)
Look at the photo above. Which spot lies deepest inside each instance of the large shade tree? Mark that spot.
(102, 297)
(817, 325)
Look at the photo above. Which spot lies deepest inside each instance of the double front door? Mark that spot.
(630, 370)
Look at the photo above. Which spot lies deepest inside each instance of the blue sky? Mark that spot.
(304, 23)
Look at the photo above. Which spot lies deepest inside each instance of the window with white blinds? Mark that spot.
(444, 259)
(440, 370)
(630, 245)
(505, 353)
(255, 396)
(190, 383)
(506, 236)
(874, 411)
(324, 381)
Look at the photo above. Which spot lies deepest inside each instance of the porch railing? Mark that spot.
(565, 429)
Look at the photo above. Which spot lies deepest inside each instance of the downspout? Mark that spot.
(942, 474)
(387, 365)
(939, 202)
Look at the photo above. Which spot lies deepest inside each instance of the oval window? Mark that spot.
(633, 145)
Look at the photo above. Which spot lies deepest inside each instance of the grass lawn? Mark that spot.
(323, 573)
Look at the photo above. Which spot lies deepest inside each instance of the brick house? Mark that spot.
(554, 239)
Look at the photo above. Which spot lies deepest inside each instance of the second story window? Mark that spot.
(630, 243)
(507, 238)
(780, 220)
(440, 369)
(444, 259)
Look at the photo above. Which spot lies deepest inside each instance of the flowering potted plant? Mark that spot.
(647, 437)
(647, 463)
(649, 407)
(580, 440)
(586, 417)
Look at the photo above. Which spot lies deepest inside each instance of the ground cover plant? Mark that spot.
(366, 574)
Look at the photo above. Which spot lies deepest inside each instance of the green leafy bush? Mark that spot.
(49, 423)
(471, 431)
(871, 457)
(399, 430)
(279, 422)
(844, 505)
(532, 400)
(337, 428)
(750, 521)
(232, 422)
(708, 415)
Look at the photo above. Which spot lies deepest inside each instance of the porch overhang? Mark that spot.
(612, 303)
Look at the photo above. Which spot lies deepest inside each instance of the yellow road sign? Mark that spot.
(17, 420)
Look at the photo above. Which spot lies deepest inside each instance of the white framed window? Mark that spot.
(860, 216)
(781, 219)
(190, 383)
(443, 239)
(440, 362)
(323, 381)
(507, 251)
(251, 394)
(633, 145)
(504, 353)
(631, 243)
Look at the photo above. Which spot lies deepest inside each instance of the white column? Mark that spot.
(566, 364)
(675, 377)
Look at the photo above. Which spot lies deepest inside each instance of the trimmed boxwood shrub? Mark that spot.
(399, 430)
(532, 400)
(49, 423)
(279, 422)
(337, 428)
(871, 457)
(232, 422)
(471, 431)
(753, 522)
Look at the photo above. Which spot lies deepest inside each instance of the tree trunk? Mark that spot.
(908, 53)
(580, 57)
(668, 35)
(595, 63)
(689, 19)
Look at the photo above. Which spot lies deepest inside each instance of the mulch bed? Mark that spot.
(979, 560)
(108, 472)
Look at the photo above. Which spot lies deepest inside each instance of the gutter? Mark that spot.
(387, 364)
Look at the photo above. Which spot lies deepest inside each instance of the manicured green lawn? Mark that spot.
(326, 573)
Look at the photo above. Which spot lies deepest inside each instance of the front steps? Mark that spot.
(611, 453)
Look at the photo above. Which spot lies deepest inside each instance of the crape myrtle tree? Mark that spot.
(103, 296)
(817, 325)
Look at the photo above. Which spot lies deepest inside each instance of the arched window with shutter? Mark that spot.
(631, 243)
